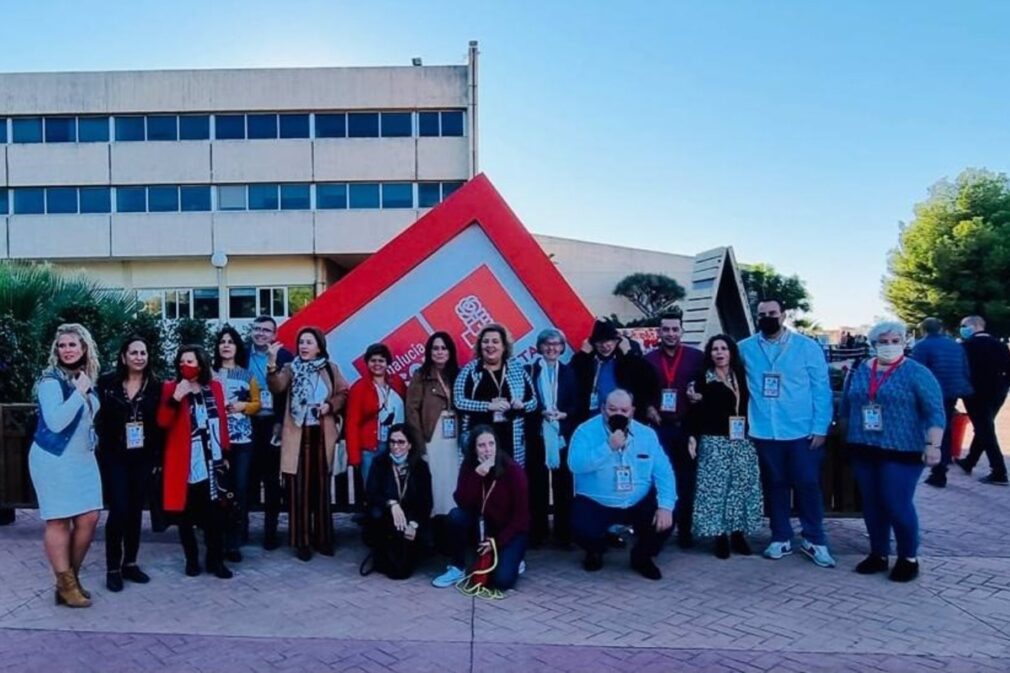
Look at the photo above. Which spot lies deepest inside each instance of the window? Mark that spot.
(4, 206)
(299, 297)
(3, 130)
(153, 301)
(242, 302)
(396, 125)
(96, 199)
(331, 197)
(427, 124)
(163, 199)
(131, 199)
(61, 129)
(452, 123)
(262, 126)
(363, 125)
(449, 187)
(272, 302)
(229, 127)
(295, 197)
(428, 194)
(129, 128)
(61, 200)
(195, 198)
(398, 195)
(364, 195)
(28, 130)
(93, 129)
(231, 197)
(162, 127)
(263, 197)
(295, 126)
(194, 127)
(29, 201)
(205, 303)
(331, 125)
(177, 304)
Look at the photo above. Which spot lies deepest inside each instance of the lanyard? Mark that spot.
(383, 398)
(485, 494)
(401, 491)
(670, 372)
(785, 344)
(445, 389)
(499, 383)
(731, 383)
(877, 384)
(136, 401)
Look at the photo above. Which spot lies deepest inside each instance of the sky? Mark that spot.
(801, 133)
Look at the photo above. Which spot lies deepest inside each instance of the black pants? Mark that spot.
(949, 409)
(590, 521)
(685, 470)
(240, 458)
(541, 482)
(982, 412)
(266, 470)
(209, 516)
(395, 556)
(125, 479)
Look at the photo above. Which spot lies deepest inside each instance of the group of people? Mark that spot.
(470, 460)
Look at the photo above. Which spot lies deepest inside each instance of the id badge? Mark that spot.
(737, 427)
(668, 401)
(499, 417)
(771, 386)
(201, 416)
(135, 435)
(594, 401)
(481, 530)
(266, 400)
(873, 419)
(623, 474)
(449, 426)
(383, 432)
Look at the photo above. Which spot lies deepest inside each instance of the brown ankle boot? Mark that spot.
(68, 592)
(77, 577)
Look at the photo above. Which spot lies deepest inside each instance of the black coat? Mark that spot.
(631, 372)
(989, 364)
(116, 411)
(381, 488)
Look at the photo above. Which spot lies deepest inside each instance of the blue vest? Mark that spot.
(56, 442)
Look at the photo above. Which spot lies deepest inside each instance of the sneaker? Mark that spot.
(904, 571)
(964, 465)
(449, 578)
(936, 480)
(818, 553)
(872, 564)
(995, 480)
(522, 566)
(777, 550)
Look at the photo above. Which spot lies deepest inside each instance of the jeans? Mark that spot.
(949, 409)
(266, 469)
(887, 489)
(240, 460)
(590, 521)
(125, 478)
(366, 460)
(788, 467)
(463, 536)
(982, 412)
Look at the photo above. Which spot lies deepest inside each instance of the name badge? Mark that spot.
(623, 474)
(668, 402)
(201, 416)
(771, 385)
(873, 418)
(594, 401)
(135, 435)
(499, 417)
(737, 427)
(449, 426)
(266, 400)
(383, 432)
(481, 529)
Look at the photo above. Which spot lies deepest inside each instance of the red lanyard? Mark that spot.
(671, 372)
(876, 384)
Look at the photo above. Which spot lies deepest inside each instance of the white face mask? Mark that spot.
(890, 352)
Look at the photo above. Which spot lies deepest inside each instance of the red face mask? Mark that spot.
(189, 372)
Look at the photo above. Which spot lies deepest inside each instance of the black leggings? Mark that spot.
(209, 516)
(125, 480)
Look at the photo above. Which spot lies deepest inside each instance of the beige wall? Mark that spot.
(185, 273)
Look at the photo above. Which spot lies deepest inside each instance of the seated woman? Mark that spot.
(398, 497)
(493, 507)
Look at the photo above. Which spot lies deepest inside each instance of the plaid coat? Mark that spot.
(518, 380)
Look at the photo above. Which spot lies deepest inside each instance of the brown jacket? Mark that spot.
(291, 433)
(425, 403)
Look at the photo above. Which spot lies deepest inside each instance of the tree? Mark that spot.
(762, 281)
(652, 293)
(953, 258)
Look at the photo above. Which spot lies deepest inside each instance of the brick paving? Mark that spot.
(745, 615)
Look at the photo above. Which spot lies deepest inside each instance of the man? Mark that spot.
(789, 414)
(989, 367)
(606, 363)
(946, 359)
(622, 476)
(266, 467)
(675, 365)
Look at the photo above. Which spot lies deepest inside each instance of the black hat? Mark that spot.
(604, 330)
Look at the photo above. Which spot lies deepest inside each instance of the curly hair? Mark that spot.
(91, 367)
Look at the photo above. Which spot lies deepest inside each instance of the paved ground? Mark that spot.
(743, 615)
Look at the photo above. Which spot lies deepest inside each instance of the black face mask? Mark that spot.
(769, 325)
(617, 422)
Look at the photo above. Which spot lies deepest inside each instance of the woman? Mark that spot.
(887, 403)
(374, 404)
(728, 503)
(493, 389)
(129, 444)
(242, 402)
(547, 447)
(492, 512)
(192, 414)
(429, 410)
(316, 392)
(62, 458)
(398, 500)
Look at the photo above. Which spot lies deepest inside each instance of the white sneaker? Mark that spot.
(818, 553)
(522, 566)
(451, 575)
(777, 550)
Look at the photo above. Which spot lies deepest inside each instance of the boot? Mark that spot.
(68, 592)
(77, 576)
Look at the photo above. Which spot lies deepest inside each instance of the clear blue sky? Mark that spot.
(799, 132)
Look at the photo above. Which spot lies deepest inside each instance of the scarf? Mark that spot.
(303, 384)
(551, 430)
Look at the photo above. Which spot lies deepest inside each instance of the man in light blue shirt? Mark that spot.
(622, 476)
(789, 414)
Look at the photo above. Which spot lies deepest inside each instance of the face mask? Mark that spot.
(617, 422)
(890, 352)
(966, 332)
(398, 460)
(189, 372)
(769, 325)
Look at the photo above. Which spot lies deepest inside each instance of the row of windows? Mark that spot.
(131, 128)
(243, 302)
(197, 198)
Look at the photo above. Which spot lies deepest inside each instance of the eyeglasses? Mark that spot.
(262, 330)
(399, 442)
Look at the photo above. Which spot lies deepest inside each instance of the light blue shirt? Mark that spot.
(594, 465)
(258, 367)
(804, 405)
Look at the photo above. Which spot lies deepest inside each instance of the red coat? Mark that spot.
(174, 417)
(362, 420)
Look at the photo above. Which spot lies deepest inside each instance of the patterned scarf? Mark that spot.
(306, 376)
